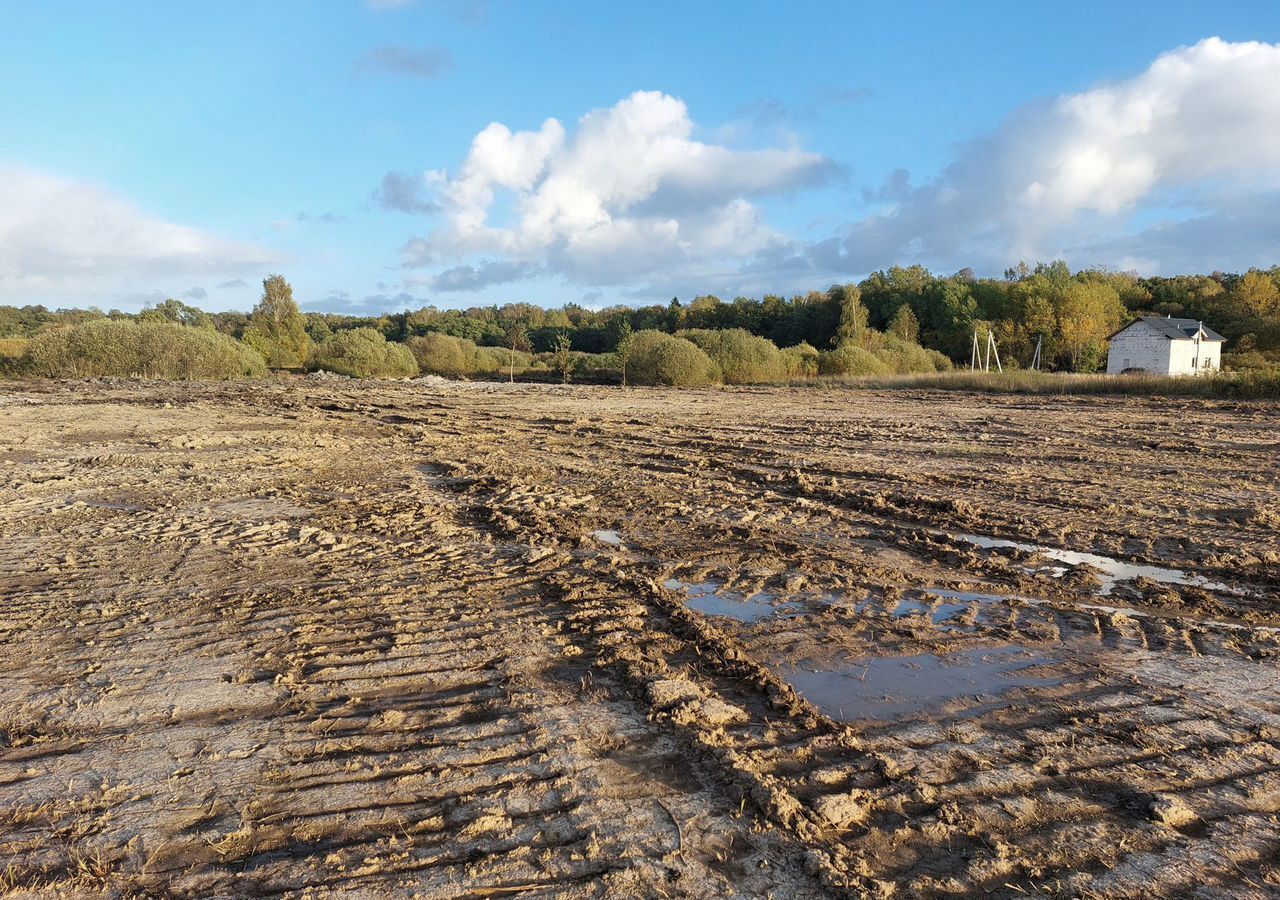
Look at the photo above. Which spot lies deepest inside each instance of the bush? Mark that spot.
(849, 359)
(742, 357)
(121, 348)
(498, 360)
(11, 352)
(800, 361)
(444, 354)
(364, 353)
(905, 357)
(659, 358)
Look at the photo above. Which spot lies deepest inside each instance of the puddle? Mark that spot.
(707, 598)
(1112, 570)
(608, 537)
(885, 687)
(938, 612)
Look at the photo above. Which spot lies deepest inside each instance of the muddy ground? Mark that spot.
(326, 637)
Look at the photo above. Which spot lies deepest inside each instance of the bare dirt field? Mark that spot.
(326, 637)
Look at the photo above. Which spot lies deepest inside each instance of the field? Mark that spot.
(326, 637)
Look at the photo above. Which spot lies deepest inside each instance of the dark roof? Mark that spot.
(1175, 329)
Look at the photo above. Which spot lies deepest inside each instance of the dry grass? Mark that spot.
(1251, 385)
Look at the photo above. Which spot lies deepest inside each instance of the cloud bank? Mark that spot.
(75, 241)
(1128, 173)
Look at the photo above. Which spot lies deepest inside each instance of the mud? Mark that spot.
(325, 637)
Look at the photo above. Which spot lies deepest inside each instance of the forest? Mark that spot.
(898, 320)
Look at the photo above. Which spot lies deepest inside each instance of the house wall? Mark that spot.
(1142, 347)
(1138, 347)
(1184, 356)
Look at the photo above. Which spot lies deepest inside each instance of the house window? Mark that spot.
(1126, 364)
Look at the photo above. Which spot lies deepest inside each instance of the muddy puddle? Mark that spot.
(1111, 571)
(711, 599)
(886, 687)
(938, 611)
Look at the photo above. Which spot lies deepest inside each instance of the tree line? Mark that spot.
(890, 321)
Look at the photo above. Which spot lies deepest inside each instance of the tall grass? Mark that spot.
(1243, 385)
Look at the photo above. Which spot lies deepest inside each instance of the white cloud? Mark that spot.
(1198, 131)
(77, 241)
(628, 195)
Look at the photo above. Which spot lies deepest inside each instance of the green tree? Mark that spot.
(905, 324)
(177, 312)
(1257, 295)
(1087, 313)
(277, 329)
(854, 318)
(563, 356)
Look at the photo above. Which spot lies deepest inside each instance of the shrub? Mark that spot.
(11, 352)
(800, 361)
(849, 359)
(904, 357)
(498, 360)
(659, 358)
(108, 347)
(742, 357)
(364, 353)
(444, 354)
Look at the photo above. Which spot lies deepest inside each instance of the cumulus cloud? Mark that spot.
(1199, 130)
(626, 195)
(416, 62)
(72, 239)
(233, 284)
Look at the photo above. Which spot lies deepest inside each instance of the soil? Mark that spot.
(327, 637)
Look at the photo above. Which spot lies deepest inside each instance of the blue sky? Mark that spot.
(152, 150)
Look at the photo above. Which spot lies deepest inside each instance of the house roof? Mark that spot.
(1174, 329)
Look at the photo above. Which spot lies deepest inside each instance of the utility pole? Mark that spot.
(992, 348)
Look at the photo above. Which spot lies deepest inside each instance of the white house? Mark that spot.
(1165, 347)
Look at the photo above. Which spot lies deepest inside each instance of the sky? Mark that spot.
(390, 154)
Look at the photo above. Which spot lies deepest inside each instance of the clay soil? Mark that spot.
(324, 637)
